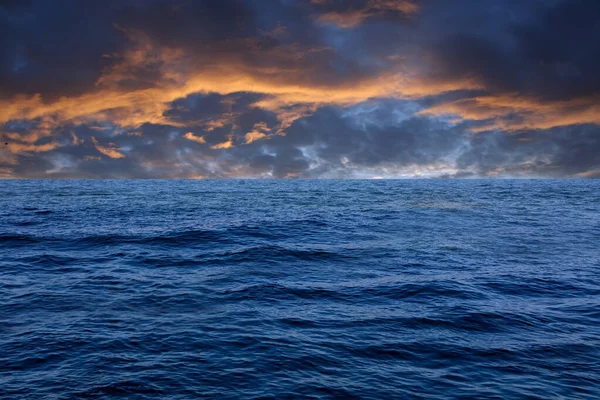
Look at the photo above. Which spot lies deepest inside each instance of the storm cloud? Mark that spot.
(299, 89)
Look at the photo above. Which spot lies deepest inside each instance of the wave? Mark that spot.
(407, 289)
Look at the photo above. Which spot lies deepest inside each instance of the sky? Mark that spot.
(300, 89)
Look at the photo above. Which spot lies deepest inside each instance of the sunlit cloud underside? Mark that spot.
(306, 89)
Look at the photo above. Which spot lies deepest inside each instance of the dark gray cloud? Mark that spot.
(371, 139)
(276, 88)
(545, 49)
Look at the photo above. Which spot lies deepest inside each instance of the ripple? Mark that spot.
(304, 289)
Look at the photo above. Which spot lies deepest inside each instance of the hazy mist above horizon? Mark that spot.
(299, 89)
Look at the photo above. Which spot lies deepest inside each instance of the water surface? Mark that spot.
(300, 289)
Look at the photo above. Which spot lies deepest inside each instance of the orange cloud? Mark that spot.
(191, 136)
(344, 20)
(109, 151)
(44, 128)
(403, 6)
(130, 109)
(257, 133)
(287, 77)
(512, 112)
(285, 72)
(590, 174)
(75, 140)
(31, 148)
(6, 156)
(355, 17)
(224, 145)
(5, 173)
(18, 142)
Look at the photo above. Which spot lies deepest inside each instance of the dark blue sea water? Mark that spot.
(300, 289)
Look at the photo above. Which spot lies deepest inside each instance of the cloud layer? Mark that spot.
(309, 89)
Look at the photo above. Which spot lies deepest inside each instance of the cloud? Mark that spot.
(33, 148)
(224, 145)
(291, 94)
(351, 14)
(257, 133)
(357, 88)
(191, 136)
(595, 174)
(109, 151)
(514, 112)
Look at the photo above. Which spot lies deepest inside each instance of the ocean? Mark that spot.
(275, 289)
